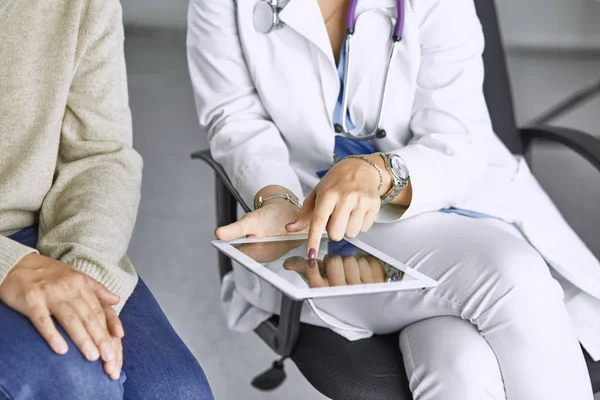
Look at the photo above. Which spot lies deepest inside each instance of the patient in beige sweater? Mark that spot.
(69, 193)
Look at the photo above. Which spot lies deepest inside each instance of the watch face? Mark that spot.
(398, 167)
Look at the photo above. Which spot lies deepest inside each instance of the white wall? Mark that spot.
(540, 23)
(550, 24)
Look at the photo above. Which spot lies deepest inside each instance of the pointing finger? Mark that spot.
(320, 218)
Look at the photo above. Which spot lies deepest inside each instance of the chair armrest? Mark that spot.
(279, 333)
(585, 144)
(205, 156)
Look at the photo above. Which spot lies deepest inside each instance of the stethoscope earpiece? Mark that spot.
(338, 128)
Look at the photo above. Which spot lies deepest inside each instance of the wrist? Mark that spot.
(275, 190)
(28, 260)
(387, 183)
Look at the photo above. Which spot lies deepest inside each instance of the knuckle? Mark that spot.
(366, 204)
(105, 341)
(70, 317)
(98, 312)
(94, 314)
(42, 321)
(86, 344)
(335, 236)
(331, 196)
(350, 197)
(376, 204)
(77, 280)
(319, 220)
(32, 297)
(362, 203)
(351, 234)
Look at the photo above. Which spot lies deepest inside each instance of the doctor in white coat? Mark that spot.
(519, 292)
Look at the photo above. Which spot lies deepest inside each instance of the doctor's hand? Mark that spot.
(269, 220)
(345, 202)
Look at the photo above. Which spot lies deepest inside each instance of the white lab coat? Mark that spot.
(266, 103)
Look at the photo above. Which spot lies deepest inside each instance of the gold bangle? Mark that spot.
(365, 159)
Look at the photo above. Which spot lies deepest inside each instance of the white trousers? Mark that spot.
(496, 326)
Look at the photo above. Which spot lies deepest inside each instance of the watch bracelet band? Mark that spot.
(285, 196)
(397, 185)
(365, 159)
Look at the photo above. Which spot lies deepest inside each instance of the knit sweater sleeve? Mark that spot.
(87, 217)
(11, 253)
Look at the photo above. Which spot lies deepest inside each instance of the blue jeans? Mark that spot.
(157, 364)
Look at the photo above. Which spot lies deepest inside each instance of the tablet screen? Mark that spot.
(338, 263)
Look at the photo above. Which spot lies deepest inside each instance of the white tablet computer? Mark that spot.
(348, 267)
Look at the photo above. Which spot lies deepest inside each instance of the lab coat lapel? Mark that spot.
(304, 17)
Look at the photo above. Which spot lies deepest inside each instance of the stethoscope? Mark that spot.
(266, 19)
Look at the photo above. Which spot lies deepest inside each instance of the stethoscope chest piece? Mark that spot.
(266, 16)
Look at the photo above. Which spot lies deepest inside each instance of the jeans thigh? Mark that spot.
(29, 369)
(157, 362)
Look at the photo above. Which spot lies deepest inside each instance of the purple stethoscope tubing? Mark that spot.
(398, 29)
(379, 132)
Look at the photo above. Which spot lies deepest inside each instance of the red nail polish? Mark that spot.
(312, 254)
(312, 263)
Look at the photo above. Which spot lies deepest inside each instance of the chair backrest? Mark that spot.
(496, 85)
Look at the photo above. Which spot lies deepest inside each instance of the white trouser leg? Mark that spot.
(447, 358)
(491, 278)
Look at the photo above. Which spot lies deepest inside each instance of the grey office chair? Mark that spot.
(373, 368)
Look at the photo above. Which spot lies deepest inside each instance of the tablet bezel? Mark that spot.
(419, 280)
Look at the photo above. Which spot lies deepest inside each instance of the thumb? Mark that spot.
(304, 215)
(236, 230)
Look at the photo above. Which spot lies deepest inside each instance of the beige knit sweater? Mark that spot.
(66, 156)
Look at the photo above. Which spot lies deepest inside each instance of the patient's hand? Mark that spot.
(41, 288)
(335, 270)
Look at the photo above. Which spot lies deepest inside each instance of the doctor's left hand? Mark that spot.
(270, 220)
(345, 202)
